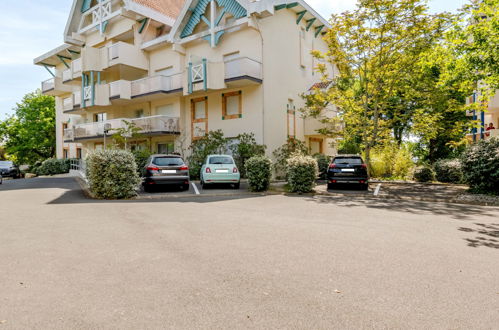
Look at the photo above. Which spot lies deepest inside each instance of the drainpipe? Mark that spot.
(263, 80)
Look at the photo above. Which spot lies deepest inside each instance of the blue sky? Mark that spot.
(29, 28)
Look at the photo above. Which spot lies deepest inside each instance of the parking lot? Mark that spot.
(195, 189)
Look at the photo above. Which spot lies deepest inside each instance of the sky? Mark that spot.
(30, 28)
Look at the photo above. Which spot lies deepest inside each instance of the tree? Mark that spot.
(29, 135)
(375, 49)
(245, 148)
(129, 131)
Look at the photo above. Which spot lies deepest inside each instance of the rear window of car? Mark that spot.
(6, 163)
(167, 161)
(221, 160)
(348, 160)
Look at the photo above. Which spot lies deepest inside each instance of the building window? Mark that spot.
(232, 105)
(315, 146)
(78, 153)
(199, 117)
(166, 148)
(165, 110)
(100, 117)
(291, 119)
(65, 153)
(139, 113)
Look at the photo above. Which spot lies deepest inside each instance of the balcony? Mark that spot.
(73, 72)
(153, 125)
(54, 87)
(486, 135)
(72, 103)
(243, 71)
(120, 89)
(156, 86)
(99, 14)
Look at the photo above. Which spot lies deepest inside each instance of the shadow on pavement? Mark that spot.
(456, 211)
(488, 235)
(39, 183)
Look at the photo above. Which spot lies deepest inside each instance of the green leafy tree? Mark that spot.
(375, 50)
(284, 152)
(245, 148)
(122, 135)
(29, 134)
(212, 143)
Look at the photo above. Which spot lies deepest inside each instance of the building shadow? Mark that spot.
(486, 235)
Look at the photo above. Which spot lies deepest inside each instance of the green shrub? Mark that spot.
(284, 152)
(141, 157)
(391, 161)
(245, 148)
(424, 174)
(323, 164)
(402, 164)
(448, 170)
(53, 166)
(212, 143)
(259, 172)
(480, 164)
(302, 173)
(112, 174)
(34, 168)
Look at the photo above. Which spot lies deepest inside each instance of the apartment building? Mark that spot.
(177, 70)
(490, 116)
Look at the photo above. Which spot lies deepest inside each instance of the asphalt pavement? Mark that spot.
(243, 262)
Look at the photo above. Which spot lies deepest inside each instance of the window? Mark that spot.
(65, 153)
(139, 113)
(221, 160)
(168, 161)
(291, 119)
(232, 105)
(100, 117)
(165, 110)
(166, 148)
(78, 153)
(199, 117)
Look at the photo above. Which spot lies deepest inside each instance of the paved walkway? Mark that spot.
(273, 262)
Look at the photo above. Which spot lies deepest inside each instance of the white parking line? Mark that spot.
(195, 188)
(376, 191)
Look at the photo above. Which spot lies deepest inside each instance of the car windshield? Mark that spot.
(348, 160)
(221, 160)
(168, 161)
(6, 164)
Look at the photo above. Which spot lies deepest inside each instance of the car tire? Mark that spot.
(330, 186)
(237, 185)
(185, 187)
(365, 187)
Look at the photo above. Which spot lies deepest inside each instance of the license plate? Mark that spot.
(221, 171)
(348, 170)
(168, 171)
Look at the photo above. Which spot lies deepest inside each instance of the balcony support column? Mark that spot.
(189, 78)
(92, 83)
(205, 75)
(83, 83)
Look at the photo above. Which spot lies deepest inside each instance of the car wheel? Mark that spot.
(185, 187)
(365, 187)
(330, 186)
(237, 185)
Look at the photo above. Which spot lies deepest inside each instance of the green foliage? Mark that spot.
(212, 143)
(480, 164)
(424, 174)
(349, 146)
(245, 149)
(141, 157)
(259, 172)
(53, 166)
(302, 173)
(323, 164)
(112, 174)
(3, 153)
(391, 161)
(285, 151)
(448, 170)
(123, 134)
(29, 135)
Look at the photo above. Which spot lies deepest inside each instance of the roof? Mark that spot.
(53, 57)
(170, 8)
(320, 85)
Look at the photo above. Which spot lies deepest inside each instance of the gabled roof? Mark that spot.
(320, 85)
(170, 8)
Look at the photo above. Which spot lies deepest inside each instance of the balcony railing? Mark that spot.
(99, 14)
(147, 125)
(48, 85)
(76, 67)
(486, 134)
(67, 103)
(67, 75)
(243, 68)
(157, 84)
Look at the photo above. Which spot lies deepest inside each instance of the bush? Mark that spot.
(53, 166)
(245, 148)
(480, 165)
(448, 170)
(424, 174)
(391, 161)
(141, 157)
(212, 143)
(284, 152)
(112, 174)
(302, 173)
(323, 164)
(259, 172)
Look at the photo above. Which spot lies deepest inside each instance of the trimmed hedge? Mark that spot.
(112, 174)
(302, 173)
(258, 171)
(448, 170)
(323, 164)
(480, 164)
(53, 166)
(424, 174)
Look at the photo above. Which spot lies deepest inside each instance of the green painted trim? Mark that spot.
(223, 117)
(206, 20)
(291, 5)
(240, 115)
(104, 26)
(189, 78)
(299, 16)
(86, 5)
(318, 30)
(83, 90)
(63, 58)
(92, 83)
(143, 23)
(50, 71)
(220, 16)
(74, 52)
(205, 75)
(279, 7)
(310, 22)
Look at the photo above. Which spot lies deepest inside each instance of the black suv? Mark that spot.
(8, 168)
(347, 169)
